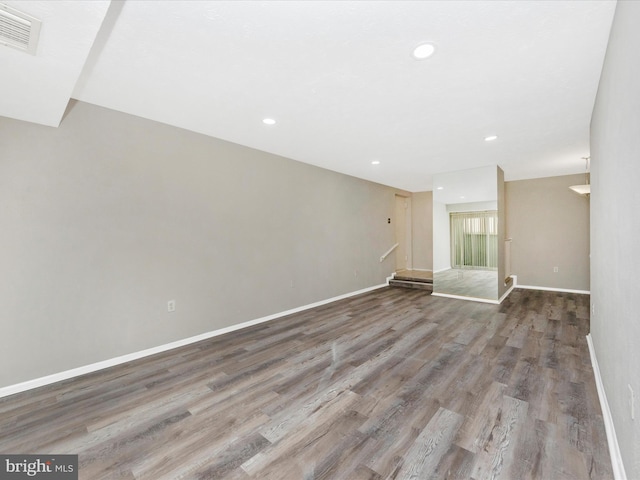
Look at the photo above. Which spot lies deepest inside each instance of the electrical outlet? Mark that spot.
(631, 403)
(555, 269)
(593, 309)
(171, 306)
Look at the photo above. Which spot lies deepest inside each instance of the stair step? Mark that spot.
(411, 284)
(412, 279)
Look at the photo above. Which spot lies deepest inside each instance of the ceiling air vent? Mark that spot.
(18, 30)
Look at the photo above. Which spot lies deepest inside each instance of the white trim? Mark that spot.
(612, 440)
(460, 297)
(550, 289)
(421, 269)
(442, 270)
(477, 299)
(506, 294)
(75, 372)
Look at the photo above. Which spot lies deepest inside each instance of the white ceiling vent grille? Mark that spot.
(18, 30)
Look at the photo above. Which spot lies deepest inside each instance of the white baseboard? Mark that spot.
(477, 299)
(612, 440)
(506, 294)
(551, 289)
(548, 289)
(442, 270)
(461, 297)
(75, 372)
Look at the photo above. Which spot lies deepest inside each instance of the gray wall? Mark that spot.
(502, 287)
(615, 228)
(422, 230)
(549, 225)
(109, 216)
(441, 237)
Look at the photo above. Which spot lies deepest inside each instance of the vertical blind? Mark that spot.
(474, 240)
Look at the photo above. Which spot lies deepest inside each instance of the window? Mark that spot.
(474, 240)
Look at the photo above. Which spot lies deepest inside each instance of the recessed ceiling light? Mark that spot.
(423, 51)
(490, 138)
(440, 188)
(375, 162)
(462, 197)
(269, 121)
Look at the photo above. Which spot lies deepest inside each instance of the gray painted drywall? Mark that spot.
(615, 228)
(109, 216)
(422, 230)
(441, 238)
(502, 229)
(549, 225)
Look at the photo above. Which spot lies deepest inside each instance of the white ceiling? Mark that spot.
(338, 76)
(37, 88)
(466, 186)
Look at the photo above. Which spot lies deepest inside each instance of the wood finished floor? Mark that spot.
(467, 283)
(390, 384)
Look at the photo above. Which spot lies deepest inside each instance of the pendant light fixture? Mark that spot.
(586, 188)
